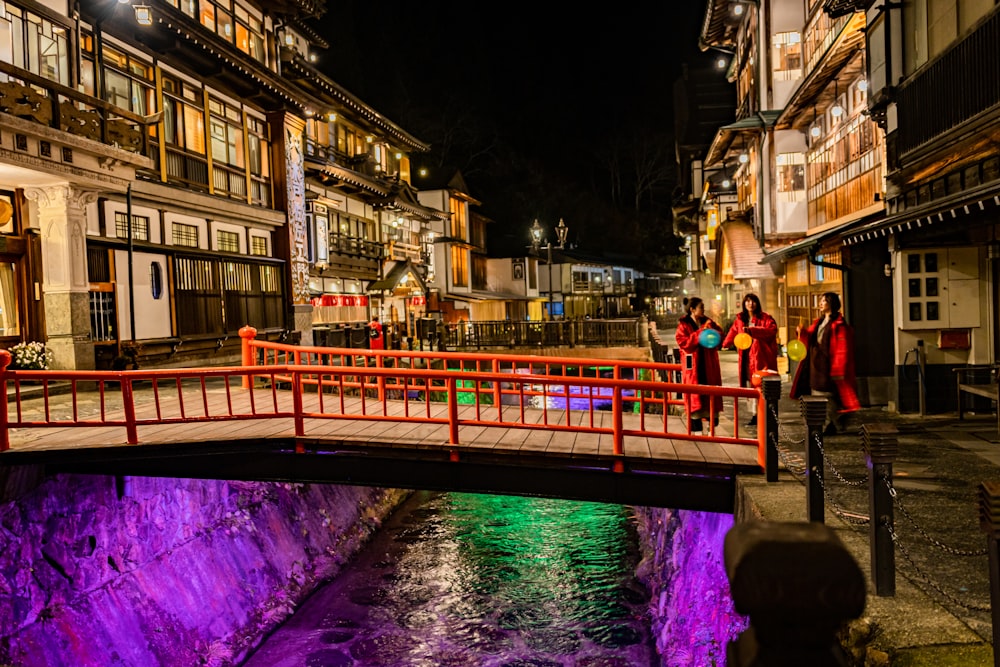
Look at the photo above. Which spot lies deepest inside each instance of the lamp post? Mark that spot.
(536, 240)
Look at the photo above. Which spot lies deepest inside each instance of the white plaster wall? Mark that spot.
(152, 316)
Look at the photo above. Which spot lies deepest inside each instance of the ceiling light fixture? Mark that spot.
(143, 14)
(836, 110)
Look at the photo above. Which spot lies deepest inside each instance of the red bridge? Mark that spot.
(590, 429)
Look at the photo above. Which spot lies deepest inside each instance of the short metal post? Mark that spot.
(989, 521)
(771, 386)
(880, 443)
(814, 414)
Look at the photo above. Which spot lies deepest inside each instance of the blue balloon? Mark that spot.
(709, 338)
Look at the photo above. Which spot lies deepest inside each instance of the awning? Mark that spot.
(958, 208)
(807, 244)
(725, 135)
(744, 253)
(404, 273)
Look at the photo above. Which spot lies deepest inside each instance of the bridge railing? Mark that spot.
(449, 397)
(267, 353)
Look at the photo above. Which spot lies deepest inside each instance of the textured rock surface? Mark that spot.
(174, 572)
(692, 612)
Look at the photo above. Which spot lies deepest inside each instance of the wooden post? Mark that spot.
(771, 388)
(453, 415)
(300, 422)
(798, 584)
(881, 445)
(380, 382)
(128, 404)
(814, 413)
(247, 334)
(989, 521)
(619, 437)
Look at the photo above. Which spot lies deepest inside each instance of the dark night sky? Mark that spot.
(531, 86)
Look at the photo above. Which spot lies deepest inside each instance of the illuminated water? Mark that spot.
(461, 579)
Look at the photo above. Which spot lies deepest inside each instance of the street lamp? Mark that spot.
(536, 241)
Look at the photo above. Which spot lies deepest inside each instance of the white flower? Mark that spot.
(30, 356)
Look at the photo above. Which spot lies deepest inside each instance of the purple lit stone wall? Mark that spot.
(176, 572)
(692, 612)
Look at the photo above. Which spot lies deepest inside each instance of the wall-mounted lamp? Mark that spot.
(721, 63)
(836, 110)
(887, 270)
(143, 14)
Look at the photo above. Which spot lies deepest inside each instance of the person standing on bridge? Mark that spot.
(699, 364)
(763, 351)
(828, 369)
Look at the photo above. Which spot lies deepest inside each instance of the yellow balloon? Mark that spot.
(796, 350)
(742, 340)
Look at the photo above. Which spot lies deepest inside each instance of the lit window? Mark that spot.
(227, 241)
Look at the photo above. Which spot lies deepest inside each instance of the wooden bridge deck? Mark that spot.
(237, 441)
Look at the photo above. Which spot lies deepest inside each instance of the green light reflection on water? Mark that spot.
(543, 557)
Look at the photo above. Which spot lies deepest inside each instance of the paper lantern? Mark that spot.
(709, 338)
(742, 340)
(796, 350)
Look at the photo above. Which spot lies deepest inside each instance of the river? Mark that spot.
(493, 581)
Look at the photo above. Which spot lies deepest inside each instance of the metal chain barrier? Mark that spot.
(836, 473)
(922, 577)
(797, 467)
(782, 432)
(852, 518)
(940, 545)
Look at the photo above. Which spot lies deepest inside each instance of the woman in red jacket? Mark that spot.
(828, 369)
(699, 364)
(763, 351)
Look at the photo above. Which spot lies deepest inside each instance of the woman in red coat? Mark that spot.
(763, 351)
(699, 364)
(828, 369)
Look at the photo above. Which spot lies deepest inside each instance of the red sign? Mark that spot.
(418, 301)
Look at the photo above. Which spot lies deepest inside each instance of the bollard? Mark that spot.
(881, 445)
(989, 521)
(814, 414)
(799, 585)
(771, 387)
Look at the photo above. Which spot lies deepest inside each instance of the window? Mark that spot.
(9, 323)
(227, 241)
(787, 55)
(33, 43)
(226, 123)
(459, 267)
(140, 226)
(185, 235)
(458, 217)
(183, 117)
(156, 280)
(258, 246)
(128, 83)
(791, 172)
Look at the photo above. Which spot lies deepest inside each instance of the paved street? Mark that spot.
(942, 594)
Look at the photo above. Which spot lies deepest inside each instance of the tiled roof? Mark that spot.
(744, 251)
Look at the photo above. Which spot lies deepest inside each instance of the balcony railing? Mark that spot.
(402, 251)
(820, 33)
(37, 99)
(962, 83)
(354, 246)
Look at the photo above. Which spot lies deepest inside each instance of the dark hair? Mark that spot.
(744, 314)
(690, 303)
(833, 299)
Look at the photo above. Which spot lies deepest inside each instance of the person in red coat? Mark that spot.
(376, 341)
(763, 351)
(828, 369)
(699, 364)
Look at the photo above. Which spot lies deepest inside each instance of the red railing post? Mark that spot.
(300, 422)
(619, 437)
(453, 415)
(4, 429)
(379, 363)
(128, 404)
(247, 334)
(496, 386)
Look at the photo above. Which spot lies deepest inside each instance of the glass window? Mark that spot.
(185, 235)
(33, 43)
(9, 321)
(140, 226)
(227, 241)
(258, 246)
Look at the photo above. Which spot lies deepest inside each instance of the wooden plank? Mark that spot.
(662, 449)
(637, 446)
(688, 450)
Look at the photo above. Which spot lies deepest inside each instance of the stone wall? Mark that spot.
(144, 571)
(692, 613)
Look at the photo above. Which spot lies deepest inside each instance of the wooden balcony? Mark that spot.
(960, 84)
(37, 99)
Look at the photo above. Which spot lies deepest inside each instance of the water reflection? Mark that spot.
(462, 579)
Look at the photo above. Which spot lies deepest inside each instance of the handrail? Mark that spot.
(349, 392)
